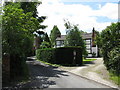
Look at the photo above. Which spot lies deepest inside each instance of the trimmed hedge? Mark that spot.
(47, 54)
(62, 55)
(110, 45)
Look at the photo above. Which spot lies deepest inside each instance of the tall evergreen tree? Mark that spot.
(55, 32)
(32, 7)
(46, 38)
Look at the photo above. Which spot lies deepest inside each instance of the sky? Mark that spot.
(86, 13)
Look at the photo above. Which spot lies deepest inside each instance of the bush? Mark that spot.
(45, 44)
(110, 40)
(114, 57)
(62, 55)
(65, 55)
(47, 55)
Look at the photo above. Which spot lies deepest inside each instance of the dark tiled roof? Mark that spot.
(61, 38)
(84, 36)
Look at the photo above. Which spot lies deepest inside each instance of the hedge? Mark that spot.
(62, 55)
(110, 45)
(47, 54)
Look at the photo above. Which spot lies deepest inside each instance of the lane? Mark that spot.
(45, 76)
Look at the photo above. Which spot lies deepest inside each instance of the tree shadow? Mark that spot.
(41, 76)
(86, 63)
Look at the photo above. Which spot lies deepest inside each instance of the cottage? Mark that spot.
(89, 38)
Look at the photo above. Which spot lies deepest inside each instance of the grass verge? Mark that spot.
(115, 78)
(55, 65)
(89, 59)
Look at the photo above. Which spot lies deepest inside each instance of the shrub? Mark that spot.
(114, 57)
(110, 40)
(47, 54)
(45, 44)
(62, 55)
(65, 55)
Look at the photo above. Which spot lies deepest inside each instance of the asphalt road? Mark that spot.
(45, 76)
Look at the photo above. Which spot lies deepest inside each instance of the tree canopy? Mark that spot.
(74, 37)
(109, 41)
(55, 32)
(17, 29)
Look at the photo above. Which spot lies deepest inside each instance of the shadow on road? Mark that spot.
(41, 75)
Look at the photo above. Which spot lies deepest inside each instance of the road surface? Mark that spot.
(45, 76)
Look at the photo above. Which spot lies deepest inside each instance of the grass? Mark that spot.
(115, 78)
(56, 65)
(88, 60)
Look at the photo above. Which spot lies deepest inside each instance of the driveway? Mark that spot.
(93, 70)
(45, 76)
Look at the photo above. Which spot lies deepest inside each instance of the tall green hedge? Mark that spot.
(65, 55)
(110, 44)
(62, 55)
(47, 54)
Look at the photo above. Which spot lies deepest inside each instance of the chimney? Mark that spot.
(93, 37)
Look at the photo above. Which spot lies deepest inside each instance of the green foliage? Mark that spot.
(98, 39)
(17, 40)
(46, 38)
(45, 44)
(74, 37)
(32, 7)
(55, 32)
(110, 39)
(63, 55)
(47, 55)
(115, 78)
(114, 57)
(89, 59)
(17, 29)
(69, 55)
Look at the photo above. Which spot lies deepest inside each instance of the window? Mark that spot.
(88, 51)
(88, 41)
(88, 46)
(58, 43)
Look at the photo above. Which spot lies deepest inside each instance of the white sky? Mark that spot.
(84, 15)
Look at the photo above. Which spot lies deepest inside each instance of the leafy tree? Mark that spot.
(46, 38)
(98, 42)
(55, 32)
(74, 37)
(32, 7)
(45, 44)
(110, 39)
(17, 31)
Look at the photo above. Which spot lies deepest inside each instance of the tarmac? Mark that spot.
(94, 70)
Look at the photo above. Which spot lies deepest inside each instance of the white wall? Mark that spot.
(94, 49)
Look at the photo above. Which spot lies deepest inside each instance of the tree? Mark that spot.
(45, 44)
(98, 42)
(110, 40)
(55, 32)
(74, 37)
(17, 31)
(46, 38)
(32, 7)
